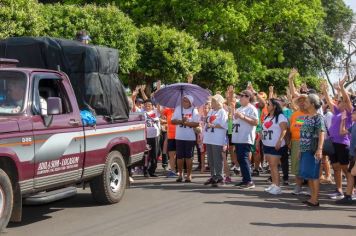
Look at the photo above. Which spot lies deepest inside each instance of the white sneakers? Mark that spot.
(274, 189)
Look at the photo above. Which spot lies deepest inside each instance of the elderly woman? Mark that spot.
(185, 117)
(215, 138)
(311, 147)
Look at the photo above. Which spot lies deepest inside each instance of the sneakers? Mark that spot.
(228, 180)
(171, 174)
(209, 181)
(347, 200)
(255, 173)
(336, 195)
(236, 169)
(269, 187)
(297, 191)
(285, 183)
(249, 185)
(269, 180)
(274, 190)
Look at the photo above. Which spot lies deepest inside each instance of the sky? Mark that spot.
(351, 3)
(335, 75)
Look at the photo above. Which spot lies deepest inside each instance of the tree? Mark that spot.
(218, 70)
(165, 54)
(108, 26)
(19, 18)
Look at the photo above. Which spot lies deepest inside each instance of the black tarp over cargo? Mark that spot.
(93, 70)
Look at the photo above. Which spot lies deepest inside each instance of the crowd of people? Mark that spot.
(302, 132)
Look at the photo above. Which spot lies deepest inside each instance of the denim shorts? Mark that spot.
(271, 151)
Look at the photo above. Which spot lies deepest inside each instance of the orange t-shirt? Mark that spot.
(296, 122)
(171, 131)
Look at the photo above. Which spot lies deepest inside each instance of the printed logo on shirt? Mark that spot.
(212, 118)
(235, 128)
(267, 133)
(299, 121)
(268, 124)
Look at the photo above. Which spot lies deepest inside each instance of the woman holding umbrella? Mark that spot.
(185, 117)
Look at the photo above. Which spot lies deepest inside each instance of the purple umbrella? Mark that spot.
(171, 95)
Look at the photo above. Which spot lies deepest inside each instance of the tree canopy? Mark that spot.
(107, 25)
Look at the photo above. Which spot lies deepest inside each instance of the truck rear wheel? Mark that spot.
(110, 186)
(6, 199)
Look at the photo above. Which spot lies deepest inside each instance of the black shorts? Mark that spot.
(184, 149)
(171, 145)
(341, 154)
(230, 139)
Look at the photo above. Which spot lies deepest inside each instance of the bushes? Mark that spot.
(20, 18)
(107, 26)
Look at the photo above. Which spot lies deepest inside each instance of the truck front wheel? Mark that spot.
(6, 199)
(110, 186)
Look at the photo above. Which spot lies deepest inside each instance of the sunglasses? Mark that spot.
(244, 95)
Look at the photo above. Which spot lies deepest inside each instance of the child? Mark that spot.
(347, 200)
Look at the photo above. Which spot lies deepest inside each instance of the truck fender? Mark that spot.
(120, 141)
(9, 153)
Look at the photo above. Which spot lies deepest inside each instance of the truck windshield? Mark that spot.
(12, 92)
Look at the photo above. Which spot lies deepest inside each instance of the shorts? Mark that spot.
(295, 157)
(271, 151)
(341, 154)
(184, 149)
(171, 145)
(309, 166)
(229, 136)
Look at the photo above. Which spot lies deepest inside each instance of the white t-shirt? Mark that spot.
(152, 124)
(243, 132)
(185, 132)
(327, 118)
(215, 136)
(271, 130)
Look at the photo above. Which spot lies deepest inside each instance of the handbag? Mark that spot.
(328, 147)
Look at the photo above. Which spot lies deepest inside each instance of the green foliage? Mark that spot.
(277, 78)
(19, 18)
(166, 54)
(218, 70)
(107, 26)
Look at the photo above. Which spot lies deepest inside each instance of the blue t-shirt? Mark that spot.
(352, 131)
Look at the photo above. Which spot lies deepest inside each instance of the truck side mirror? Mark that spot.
(54, 106)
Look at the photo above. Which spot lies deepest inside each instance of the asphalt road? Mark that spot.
(163, 207)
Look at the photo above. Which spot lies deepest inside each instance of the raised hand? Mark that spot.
(190, 78)
(342, 82)
(158, 84)
(292, 73)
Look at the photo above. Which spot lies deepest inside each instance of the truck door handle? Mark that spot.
(73, 122)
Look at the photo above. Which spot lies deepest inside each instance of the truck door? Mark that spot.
(58, 139)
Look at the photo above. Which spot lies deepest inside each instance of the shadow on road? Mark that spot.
(250, 198)
(32, 214)
(305, 225)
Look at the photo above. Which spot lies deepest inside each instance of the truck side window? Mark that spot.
(52, 88)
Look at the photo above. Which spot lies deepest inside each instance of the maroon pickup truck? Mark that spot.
(45, 150)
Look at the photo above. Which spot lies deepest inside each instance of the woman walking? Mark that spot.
(311, 147)
(274, 129)
(215, 139)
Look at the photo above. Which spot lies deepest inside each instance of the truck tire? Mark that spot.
(6, 199)
(109, 187)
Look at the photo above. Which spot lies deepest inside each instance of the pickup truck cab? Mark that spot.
(44, 145)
